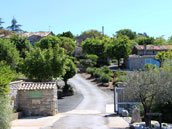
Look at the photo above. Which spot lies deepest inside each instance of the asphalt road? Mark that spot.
(90, 109)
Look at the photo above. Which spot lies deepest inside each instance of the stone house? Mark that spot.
(144, 54)
(36, 36)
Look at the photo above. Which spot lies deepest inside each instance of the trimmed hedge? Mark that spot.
(104, 74)
(105, 78)
(90, 70)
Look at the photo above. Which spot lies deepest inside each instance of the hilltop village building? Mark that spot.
(36, 36)
(145, 54)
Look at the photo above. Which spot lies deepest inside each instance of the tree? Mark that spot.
(22, 44)
(14, 26)
(8, 53)
(132, 35)
(161, 57)
(93, 46)
(165, 58)
(160, 41)
(169, 40)
(1, 22)
(44, 65)
(119, 48)
(67, 34)
(148, 86)
(143, 40)
(70, 70)
(50, 41)
(93, 34)
(6, 76)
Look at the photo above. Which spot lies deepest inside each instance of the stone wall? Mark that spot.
(45, 105)
(14, 94)
(135, 62)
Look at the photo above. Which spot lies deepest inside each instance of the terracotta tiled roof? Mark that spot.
(154, 47)
(138, 56)
(42, 34)
(37, 86)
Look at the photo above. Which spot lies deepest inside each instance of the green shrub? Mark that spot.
(111, 74)
(5, 112)
(165, 109)
(104, 78)
(149, 67)
(86, 63)
(120, 76)
(93, 58)
(106, 69)
(90, 70)
(97, 73)
(6, 76)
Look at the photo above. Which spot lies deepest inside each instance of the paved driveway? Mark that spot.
(89, 114)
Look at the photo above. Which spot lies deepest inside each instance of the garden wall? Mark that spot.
(14, 93)
(38, 98)
(34, 98)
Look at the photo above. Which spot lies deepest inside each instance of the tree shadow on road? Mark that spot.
(111, 115)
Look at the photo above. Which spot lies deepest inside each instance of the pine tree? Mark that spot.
(14, 26)
(1, 22)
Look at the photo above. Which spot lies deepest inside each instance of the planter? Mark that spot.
(16, 115)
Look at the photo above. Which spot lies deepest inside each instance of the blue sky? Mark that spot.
(151, 16)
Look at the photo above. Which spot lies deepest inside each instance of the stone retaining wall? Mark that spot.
(45, 105)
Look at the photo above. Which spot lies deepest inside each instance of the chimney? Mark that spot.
(145, 49)
(102, 30)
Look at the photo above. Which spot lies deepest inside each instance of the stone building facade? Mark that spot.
(135, 62)
(144, 54)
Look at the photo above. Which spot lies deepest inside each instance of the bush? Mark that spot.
(93, 58)
(149, 67)
(90, 70)
(111, 74)
(5, 112)
(120, 76)
(106, 69)
(165, 109)
(104, 78)
(97, 73)
(86, 63)
(6, 76)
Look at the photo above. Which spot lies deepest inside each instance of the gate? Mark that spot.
(121, 101)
